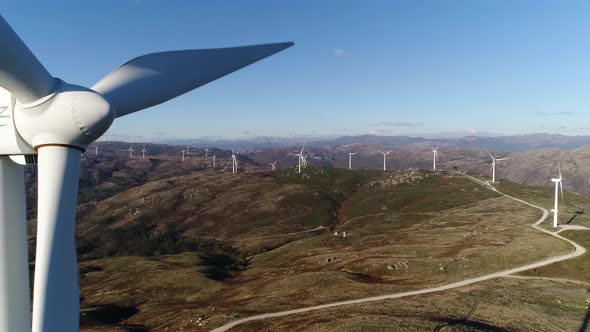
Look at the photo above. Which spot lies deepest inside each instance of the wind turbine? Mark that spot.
(493, 167)
(213, 160)
(45, 116)
(435, 153)
(350, 154)
(143, 152)
(183, 151)
(558, 183)
(384, 158)
(130, 150)
(206, 152)
(300, 158)
(96, 150)
(274, 166)
(234, 163)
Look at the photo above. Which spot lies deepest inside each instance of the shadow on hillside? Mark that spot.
(218, 266)
(576, 214)
(102, 315)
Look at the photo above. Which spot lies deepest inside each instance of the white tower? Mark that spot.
(558, 188)
(350, 154)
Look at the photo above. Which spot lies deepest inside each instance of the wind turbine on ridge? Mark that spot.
(384, 158)
(435, 153)
(493, 167)
(558, 183)
(38, 109)
(300, 159)
(143, 152)
(130, 150)
(234, 163)
(274, 166)
(350, 154)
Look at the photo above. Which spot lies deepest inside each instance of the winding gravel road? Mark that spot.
(579, 250)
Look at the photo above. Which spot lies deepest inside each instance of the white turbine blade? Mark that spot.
(15, 313)
(154, 78)
(489, 153)
(561, 189)
(56, 301)
(502, 159)
(21, 73)
(388, 152)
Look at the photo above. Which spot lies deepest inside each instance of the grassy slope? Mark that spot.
(445, 227)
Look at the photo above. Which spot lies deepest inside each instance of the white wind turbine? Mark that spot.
(234, 163)
(206, 152)
(130, 150)
(183, 152)
(435, 157)
(384, 158)
(299, 158)
(274, 166)
(36, 112)
(143, 152)
(350, 154)
(493, 167)
(96, 150)
(558, 183)
(213, 160)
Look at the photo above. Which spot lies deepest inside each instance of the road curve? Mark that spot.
(579, 250)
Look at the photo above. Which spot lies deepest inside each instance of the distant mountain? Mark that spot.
(499, 143)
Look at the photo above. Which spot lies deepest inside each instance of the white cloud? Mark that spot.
(339, 52)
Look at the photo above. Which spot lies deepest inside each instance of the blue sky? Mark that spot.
(387, 67)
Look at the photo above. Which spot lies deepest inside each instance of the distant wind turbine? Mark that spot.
(96, 150)
(143, 152)
(234, 162)
(384, 158)
(435, 153)
(274, 166)
(183, 153)
(131, 151)
(300, 158)
(213, 160)
(350, 154)
(493, 168)
(558, 183)
(206, 152)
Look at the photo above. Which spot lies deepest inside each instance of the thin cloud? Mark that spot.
(398, 124)
(339, 52)
(559, 113)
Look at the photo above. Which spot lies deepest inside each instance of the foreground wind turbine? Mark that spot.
(45, 116)
(435, 153)
(558, 183)
(350, 154)
(384, 158)
(493, 167)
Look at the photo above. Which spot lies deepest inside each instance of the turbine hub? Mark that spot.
(71, 116)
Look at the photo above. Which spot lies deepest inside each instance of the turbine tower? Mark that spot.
(435, 153)
(213, 160)
(36, 112)
(299, 159)
(183, 151)
(493, 167)
(384, 158)
(96, 150)
(350, 154)
(558, 183)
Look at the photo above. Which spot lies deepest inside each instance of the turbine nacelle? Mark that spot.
(70, 116)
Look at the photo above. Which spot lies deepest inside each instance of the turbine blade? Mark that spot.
(14, 283)
(154, 78)
(21, 73)
(561, 189)
(56, 301)
(489, 153)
